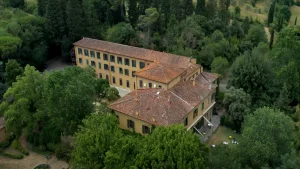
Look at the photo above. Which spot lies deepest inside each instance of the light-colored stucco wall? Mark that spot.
(116, 74)
(137, 123)
(146, 83)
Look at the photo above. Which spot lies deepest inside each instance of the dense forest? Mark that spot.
(262, 100)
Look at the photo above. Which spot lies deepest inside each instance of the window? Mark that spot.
(93, 63)
(202, 106)
(127, 84)
(112, 58)
(121, 83)
(92, 54)
(98, 55)
(118, 119)
(119, 60)
(99, 65)
(195, 114)
(196, 73)
(120, 70)
(86, 52)
(105, 66)
(80, 61)
(141, 84)
(79, 51)
(126, 72)
(145, 129)
(130, 124)
(213, 97)
(127, 63)
(114, 80)
(107, 77)
(133, 73)
(133, 63)
(100, 75)
(154, 85)
(150, 85)
(87, 61)
(186, 121)
(112, 68)
(142, 65)
(105, 56)
(133, 85)
(159, 86)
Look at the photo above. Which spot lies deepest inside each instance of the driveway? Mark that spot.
(56, 64)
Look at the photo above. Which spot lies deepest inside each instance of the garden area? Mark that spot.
(222, 135)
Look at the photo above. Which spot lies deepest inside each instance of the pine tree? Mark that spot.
(200, 8)
(132, 12)
(295, 21)
(75, 21)
(211, 9)
(271, 13)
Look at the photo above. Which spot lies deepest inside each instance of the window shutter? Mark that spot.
(132, 124)
(143, 128)
(128, 123)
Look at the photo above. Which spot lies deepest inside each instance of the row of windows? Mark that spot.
(114, 80)
(149, 85)
(112, 58)
(195, 114)
(145, 129)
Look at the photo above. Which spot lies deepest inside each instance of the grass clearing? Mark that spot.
(295, 13)
(221, 134)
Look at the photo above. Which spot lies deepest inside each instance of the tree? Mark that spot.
(283, 100)
(219, 65)
(224, 157)
(256, 34)
(271, 14)
(295, 21)
(75, 21)
(200, 7)
(133, 12)
(42, 7)
(252, 73)
(94, 139)
(12, 69)
(21, 102)
(285, 59)
(246, 25)
(17, 3)
(52, 25)
(223, 10)
(237, 104)
(211, 9)
(68, 97)
(101, 86)
(172, 147)
(112, 94)
(188, 8)
(237, 11)
(9, 45)
(290, 160)
(122, 33)
(261, 145)
(147, 20)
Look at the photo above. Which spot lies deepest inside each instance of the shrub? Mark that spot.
(233, 3)
(16, 145)
(63, 152)
(51, 147)
(4, 144)
(248, 7)
(14, 156)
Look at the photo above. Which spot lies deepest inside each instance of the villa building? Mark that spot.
(165, 88)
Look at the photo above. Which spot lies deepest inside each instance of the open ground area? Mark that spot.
(295, 13)
(222, 134)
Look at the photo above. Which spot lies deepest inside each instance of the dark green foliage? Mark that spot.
(112, 94)
(101, 86)
(17, 3)
(256, 34)
(211, 9)
(224, 157)
(63, 152)
(42, 7)
(200, 7)
(133, 12)
(261, 145)
(271, 13)
(74, 20)
(188, 8)
(12, 69)
(290, 160)
(13, 156)
(295, 21)
(122, 33)
(9, 45)
(272, 31)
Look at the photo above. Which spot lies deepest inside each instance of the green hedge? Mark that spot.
(4, 144)
(14, 156)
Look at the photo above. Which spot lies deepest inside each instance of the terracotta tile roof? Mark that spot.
(2, 122)
(135, 52)
(210, 76)
(164, 107)
(160, 72)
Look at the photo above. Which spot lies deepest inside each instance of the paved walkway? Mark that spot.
(56, 64)
(215, 120)
(122, 91)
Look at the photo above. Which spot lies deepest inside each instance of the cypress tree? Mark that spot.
(223, 10)
(132, 12)
(188, 8)
(211, 9)
(200, 8)
(42, 7)
(75, 22)
(108, 18)
(17, 3)
(272, 38)
(165, 8)
(295, 21)
(175, 9)
(271, 13)
(52, 25)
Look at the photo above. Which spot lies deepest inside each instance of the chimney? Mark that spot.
(136, 97)
(153, 119)
(169, 99)
(194, 82)
(209, 87)
(137, 113)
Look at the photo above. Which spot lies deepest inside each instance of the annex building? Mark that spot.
(165, 88)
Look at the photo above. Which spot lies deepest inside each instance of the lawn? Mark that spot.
(295, 13)
(221, 134)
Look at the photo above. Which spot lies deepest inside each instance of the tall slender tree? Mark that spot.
(188, 8)
(271, 13)
(74, 19)
(52, 25)
(132, 12)
(42, 7)
(295, 21)
(200, 7)
(211, 9)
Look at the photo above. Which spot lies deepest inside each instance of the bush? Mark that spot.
(63, 152)
(16, 145)
(42, 166)
(14, 156)
(4, 144)
(248, 7)
(51, 147)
